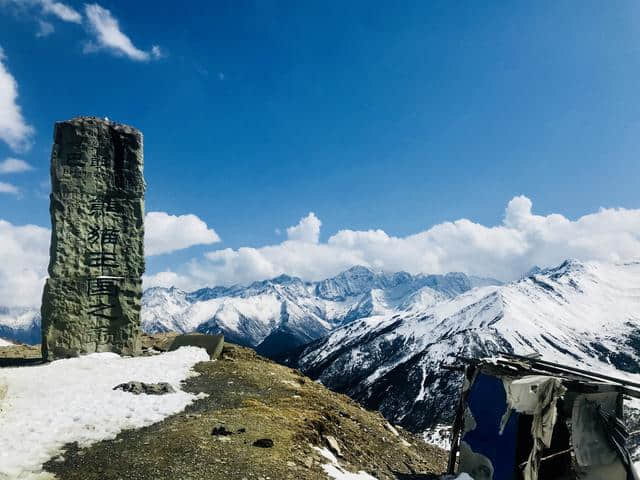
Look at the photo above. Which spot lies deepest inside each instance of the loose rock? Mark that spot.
(263, 443)
(221, 430)
(138, 388)
(333, 445)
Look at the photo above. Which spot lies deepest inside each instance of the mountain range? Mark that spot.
(393, 340)
(277, 315)
(404, 362)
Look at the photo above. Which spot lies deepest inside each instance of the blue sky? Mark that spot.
(387, 115)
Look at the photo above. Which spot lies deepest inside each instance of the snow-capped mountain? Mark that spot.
(277, 315)
(585, 314)
(20, 324)
(359, 280)
(246, 315)
(280, 314)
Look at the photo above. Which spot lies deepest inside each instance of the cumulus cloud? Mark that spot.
(14, 130)
(503, 251)
(307, 230)
(24, 255)
(9, 188)
(166, 233)
(108, 36)
(14, 165)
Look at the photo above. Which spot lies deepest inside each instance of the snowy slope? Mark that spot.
(73, 400)
(585, 314)
(422, 299)
(5, 343)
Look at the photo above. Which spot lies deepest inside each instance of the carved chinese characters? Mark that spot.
(91, 302)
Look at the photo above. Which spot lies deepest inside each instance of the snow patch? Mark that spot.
(336, 472)
(73, 400)
(440, 436)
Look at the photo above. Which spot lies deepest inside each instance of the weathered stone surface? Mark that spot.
(79, 322)
(333, 444)
(91, 302)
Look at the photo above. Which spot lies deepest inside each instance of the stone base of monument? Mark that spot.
(69, 331)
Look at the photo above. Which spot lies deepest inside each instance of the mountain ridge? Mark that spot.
(585, 313)
(285, 311)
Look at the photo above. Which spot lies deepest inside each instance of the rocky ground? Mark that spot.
(260, 420)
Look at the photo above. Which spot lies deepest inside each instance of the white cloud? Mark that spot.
(169, 279)
(60, 10)
(14, 130)
(99, 21)
(108, 35)
(44, 29)
(156, 52)
(307, 229)
(166, 233)
(9, 188)
(14, 165)
(504, 251)
(24, 255)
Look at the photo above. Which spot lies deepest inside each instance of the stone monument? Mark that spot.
(91, 300)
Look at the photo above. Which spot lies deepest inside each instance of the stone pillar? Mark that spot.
(91, 301)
